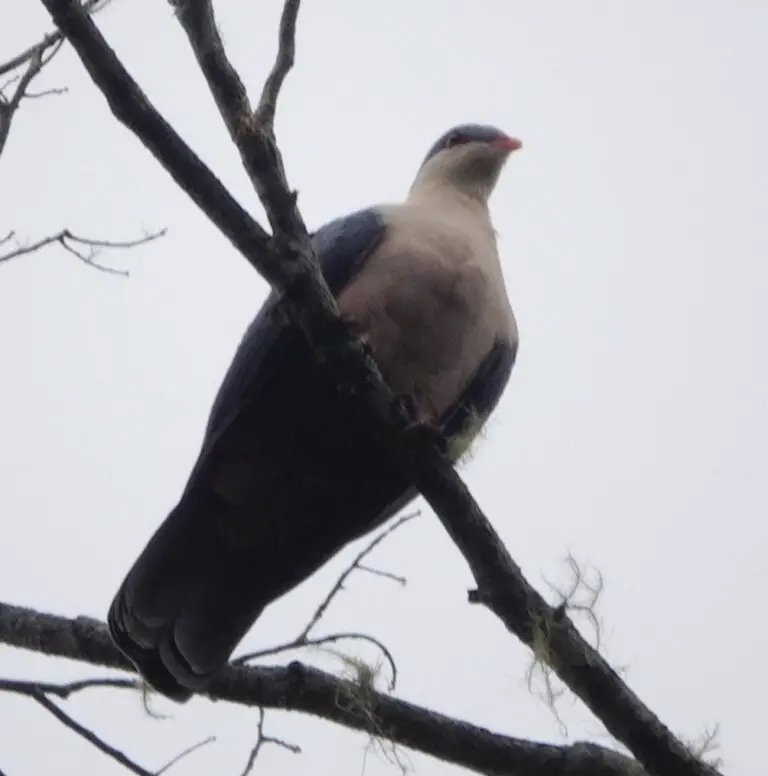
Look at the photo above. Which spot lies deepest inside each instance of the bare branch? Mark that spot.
(35, 58)
(253, 133)
(133, 109)
(331, 638)
(70, 241)
(179, 757)
(39, 691)
(287, 261)
(299, 688)
(262, 739)
(8, 107)
(55, 91)
(64, 691)
(89, 735)
(199, 23)
(51, 39)
(302, 640)
(339, 585)
(251, 761)
(286, 55)
(381, 573)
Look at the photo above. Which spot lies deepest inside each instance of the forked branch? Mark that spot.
(86, 249)
(33, 60)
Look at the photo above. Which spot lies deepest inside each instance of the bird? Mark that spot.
(288, 471)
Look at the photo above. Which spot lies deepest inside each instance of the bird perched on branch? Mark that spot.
(287, 474)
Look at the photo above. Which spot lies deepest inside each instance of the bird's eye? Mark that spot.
(455, 139)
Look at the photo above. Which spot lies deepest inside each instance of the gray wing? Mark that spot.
(483, 392)
(342, 247)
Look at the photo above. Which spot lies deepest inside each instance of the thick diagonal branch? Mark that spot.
(287, 261)
(251, 131)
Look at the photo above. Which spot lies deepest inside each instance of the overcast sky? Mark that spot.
(634, 433)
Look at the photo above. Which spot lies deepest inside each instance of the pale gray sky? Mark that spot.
(634, 432)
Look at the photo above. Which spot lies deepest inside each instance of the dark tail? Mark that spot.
(187, 601)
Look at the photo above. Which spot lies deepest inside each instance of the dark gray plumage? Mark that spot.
(287, 474)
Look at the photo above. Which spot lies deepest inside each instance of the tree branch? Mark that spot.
(355, 564)
(51, 39)
(303, 640)
(253, 131)
(9, 106)
(287, 261)
(65, 690)
(35, 58)
(39, 692)
(262, 739)
(286, 55)
(74, 245)
(181, 755)
(88, 735)
(298, 687)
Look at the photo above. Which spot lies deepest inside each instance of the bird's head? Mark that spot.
(469, 157)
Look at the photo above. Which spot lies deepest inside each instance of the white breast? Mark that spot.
(431, 301)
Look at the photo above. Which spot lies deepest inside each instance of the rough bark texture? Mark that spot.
(297, 687)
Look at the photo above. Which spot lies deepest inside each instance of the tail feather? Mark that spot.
(148, 660)
(215, 563)
(186, 603)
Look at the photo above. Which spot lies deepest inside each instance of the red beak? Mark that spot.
(508, 143)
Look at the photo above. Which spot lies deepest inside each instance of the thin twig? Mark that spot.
(65, 238)
(381, 573)
(261, 739)
(89, 735)
(339, 584)
(185, 753)
(286, 56)
(257, 746)
(133, 109)
(302, 640)
(51, 39)
(54, 91)
(318, 642)
(8, 107)
(64, 691)
(35, 58)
